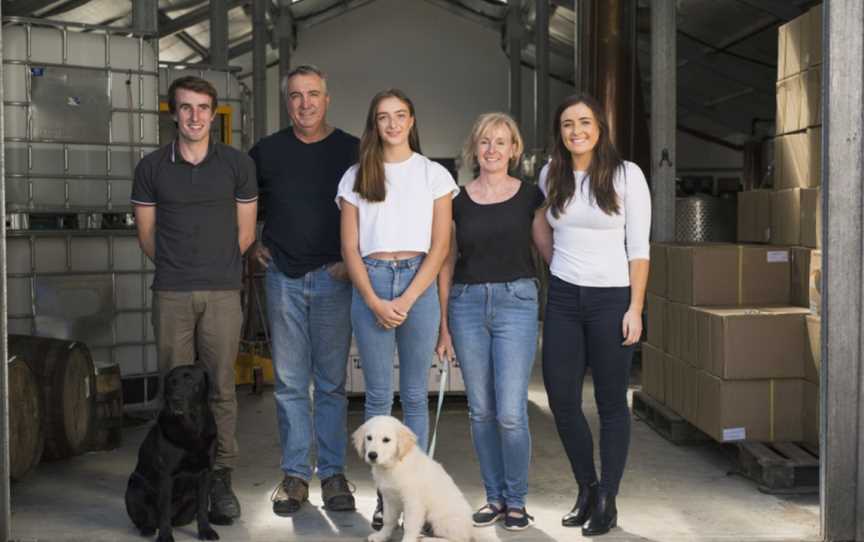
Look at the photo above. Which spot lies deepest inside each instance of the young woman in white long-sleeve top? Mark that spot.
(599, 213)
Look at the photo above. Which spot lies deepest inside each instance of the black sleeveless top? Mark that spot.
(494, 240)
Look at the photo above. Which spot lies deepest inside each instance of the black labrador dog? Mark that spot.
(171, 482)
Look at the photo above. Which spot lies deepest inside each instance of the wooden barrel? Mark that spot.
(26, 432)
(107, 428)
(65, 373)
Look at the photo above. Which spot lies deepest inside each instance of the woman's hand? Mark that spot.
(445, 346)
(388, 314)
(403, 304)
(631, 327)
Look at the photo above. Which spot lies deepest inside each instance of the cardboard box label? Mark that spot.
(734, 433)
(778, 256)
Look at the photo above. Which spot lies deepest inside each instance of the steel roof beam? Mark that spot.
(194, 17)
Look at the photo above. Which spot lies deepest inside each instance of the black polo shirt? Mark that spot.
(298, 184)
(196, 215)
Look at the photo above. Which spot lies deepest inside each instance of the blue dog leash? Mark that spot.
(445, 369)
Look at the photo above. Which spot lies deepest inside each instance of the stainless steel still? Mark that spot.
(703, 218)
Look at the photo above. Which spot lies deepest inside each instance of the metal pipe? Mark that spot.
(514, 42)
(145, 16)
(610, 89)
(286, 42)
(541, 74)
(259, 68)
(219, 33)
(578, 48)
(5, 496)
(197, 66)
(663, 119)
(115, 30)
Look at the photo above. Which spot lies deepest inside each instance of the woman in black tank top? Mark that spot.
(489, 314)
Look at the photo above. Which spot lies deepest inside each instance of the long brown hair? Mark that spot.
(605, 161)
(370, 182)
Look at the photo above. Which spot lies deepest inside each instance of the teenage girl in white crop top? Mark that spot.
(396, 219)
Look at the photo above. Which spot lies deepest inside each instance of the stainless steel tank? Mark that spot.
(703, 218)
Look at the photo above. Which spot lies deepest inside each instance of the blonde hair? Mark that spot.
(486, 122)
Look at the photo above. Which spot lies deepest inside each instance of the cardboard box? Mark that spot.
(794, 165)
(782, 44)
(730, 275)
(681, 332)
(681, 387)
(657, 274)
(813, 353)
(815, 37)
(754, 216)
(799, 282)
(790, 107)
(816, 282)
(811, 105)
(797, 46)
(811, 217)
(761, 410)
(810, 414)
(655, 315)
(751, 343)
(786, 216)
(702, 274)
(657, 270)
(764, 275)
(653, 379)
(814, 149)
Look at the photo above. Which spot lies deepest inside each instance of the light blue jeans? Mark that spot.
(416, 339)
(310, 334)
(494, 330)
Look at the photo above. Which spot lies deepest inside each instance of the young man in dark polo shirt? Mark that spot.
(308, 291)
(195, 209)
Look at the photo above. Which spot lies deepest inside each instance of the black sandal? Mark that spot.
(521, 520)
(488, 514)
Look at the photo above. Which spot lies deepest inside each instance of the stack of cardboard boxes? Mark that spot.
(726, 348)
(790, 213)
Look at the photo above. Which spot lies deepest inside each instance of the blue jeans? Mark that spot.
(494, 330)
(310, 334)
(416, 339)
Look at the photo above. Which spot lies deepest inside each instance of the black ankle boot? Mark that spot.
(585, 503)
(604, 516)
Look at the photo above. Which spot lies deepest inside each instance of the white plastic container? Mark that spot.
(89, 286)
(81, 110)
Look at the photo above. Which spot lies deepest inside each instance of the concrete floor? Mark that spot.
(669, 493)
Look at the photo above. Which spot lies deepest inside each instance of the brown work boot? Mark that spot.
(289, 495)
(336, 493)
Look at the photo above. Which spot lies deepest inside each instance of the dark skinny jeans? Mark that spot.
(582, 329)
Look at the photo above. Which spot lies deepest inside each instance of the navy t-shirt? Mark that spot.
(298, 183)
(494, 240)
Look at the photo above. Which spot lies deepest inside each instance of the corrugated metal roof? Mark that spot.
(727, 48)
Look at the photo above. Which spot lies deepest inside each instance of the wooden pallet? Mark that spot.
(665, 421)
(779, 467)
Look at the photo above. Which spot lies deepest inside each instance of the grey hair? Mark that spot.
(303, 69)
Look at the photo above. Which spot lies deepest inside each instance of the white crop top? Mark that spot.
(403, 221)
(591, 248)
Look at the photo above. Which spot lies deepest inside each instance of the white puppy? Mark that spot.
(411, 482)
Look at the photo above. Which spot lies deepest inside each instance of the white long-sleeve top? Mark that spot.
(592, 248)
